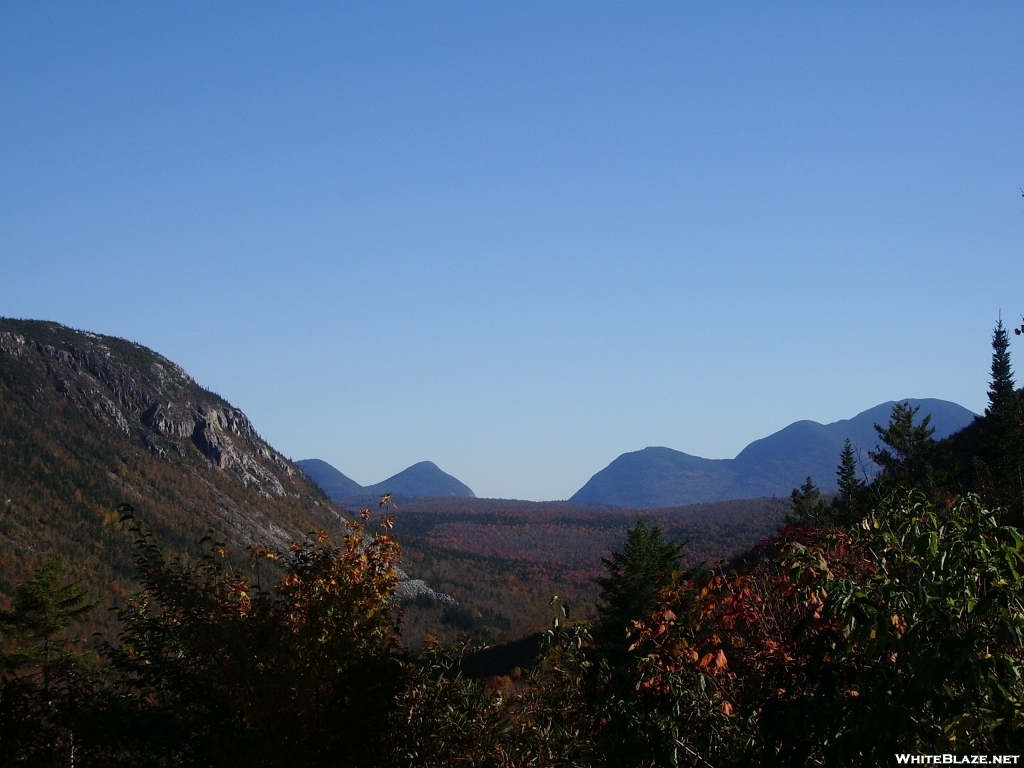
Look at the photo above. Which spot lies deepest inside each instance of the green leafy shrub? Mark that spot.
(838, 647)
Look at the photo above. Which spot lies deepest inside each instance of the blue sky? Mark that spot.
(519, 240)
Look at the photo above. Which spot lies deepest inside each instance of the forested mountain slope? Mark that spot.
(88, 422)
(502, 560)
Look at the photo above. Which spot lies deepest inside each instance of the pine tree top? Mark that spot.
(1001, 387)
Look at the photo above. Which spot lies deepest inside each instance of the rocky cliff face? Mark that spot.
(159, 401)
(89, 421)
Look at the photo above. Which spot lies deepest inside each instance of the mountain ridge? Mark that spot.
(657, 476)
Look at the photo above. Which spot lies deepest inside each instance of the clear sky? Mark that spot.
(521, 239)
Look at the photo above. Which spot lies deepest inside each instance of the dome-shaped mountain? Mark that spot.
(424, 479)
(658, 477)
(334, 483)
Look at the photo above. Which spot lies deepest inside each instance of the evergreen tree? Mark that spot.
(647, 564)
(1001, 389)
(1002, 454)
(639, 577)
(907, 458)
(43, 687)
(808, 508)
(851, 487)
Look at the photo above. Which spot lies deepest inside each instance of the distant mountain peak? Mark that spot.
(334, 483)
(422, 480)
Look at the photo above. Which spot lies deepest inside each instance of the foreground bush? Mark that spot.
(840, 647)
(304, 674)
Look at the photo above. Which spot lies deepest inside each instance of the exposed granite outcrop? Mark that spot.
(410, 589)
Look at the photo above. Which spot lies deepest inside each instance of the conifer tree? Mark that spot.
(1001, 389)
(808, 508)
(906, 459)
(1002, 431)
(639, 577)
(647, 564)
(851, 487)
(41, 679)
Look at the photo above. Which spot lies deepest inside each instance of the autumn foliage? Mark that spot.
(251, 676)
(831, 646)
(890, 622)
(842, 647)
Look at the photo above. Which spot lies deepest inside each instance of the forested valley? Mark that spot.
(502, 560)
(888, 619)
